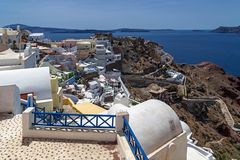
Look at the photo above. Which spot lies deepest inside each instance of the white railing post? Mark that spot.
(27, 120)
(119, 120)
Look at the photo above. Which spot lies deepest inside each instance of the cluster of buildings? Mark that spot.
(18, 60)
(65, 62)
(69, 81)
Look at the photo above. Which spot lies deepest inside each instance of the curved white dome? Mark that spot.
(117, 108)
(36, 80)
(186, 128)
(153, 122)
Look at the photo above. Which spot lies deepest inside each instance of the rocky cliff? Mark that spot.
(138, 56)
(206, 120)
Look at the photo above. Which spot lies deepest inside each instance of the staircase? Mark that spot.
(227, 114)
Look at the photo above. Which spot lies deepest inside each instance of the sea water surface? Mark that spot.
(189, 47)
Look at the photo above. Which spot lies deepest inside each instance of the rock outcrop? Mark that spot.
(138, 56)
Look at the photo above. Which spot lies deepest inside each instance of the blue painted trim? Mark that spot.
(28, 101)
(133, 142)
(73, 120)
(38, 109)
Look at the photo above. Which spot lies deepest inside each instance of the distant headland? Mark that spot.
(223, 29)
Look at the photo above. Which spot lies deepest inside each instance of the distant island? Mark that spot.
(223, 29)
(35, 29)
(64, 30)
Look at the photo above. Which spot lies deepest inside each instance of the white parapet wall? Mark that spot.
(124, 149)
(174, 149)
(102, 135)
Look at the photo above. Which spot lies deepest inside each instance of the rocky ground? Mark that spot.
(140, 57)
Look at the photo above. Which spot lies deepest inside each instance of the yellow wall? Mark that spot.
(54, 84)
(57, 99)
(57, 94)
(48, 104)
(87, 42)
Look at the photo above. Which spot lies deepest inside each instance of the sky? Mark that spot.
(113, 14)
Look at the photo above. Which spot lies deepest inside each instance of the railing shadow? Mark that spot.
(74, 129)
(28, 141)
(5, 116)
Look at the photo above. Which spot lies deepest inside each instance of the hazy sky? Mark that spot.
(110, 14)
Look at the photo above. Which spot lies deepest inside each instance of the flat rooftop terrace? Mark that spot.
(12, 146)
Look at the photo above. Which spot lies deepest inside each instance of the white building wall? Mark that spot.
(35, 80)
(30, 61)
(12, 67)
(10, 99)
(39, 37)
(12, 38)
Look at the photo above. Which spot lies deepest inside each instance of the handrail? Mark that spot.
(133, 142)
(73, 120)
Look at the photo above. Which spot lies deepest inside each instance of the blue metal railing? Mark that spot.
(30, 102)
(133, 141)
(73, 120)
(38, 109)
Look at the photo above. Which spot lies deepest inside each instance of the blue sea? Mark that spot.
(187, 46)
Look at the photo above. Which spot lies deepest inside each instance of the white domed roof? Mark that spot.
(117, 108)
(153, 122)
(186, 128)
(36, 80)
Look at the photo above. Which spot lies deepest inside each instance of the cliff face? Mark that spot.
(138, 56)
(205, 119)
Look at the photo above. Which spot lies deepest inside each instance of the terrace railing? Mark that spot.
(38, 109)
(133, 141)
(97, 121)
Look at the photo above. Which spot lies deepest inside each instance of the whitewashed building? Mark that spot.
(32, 80)
(36, 37)
(13, 38)
(17, 60)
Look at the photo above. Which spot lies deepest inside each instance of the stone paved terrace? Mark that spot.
(12, 146)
